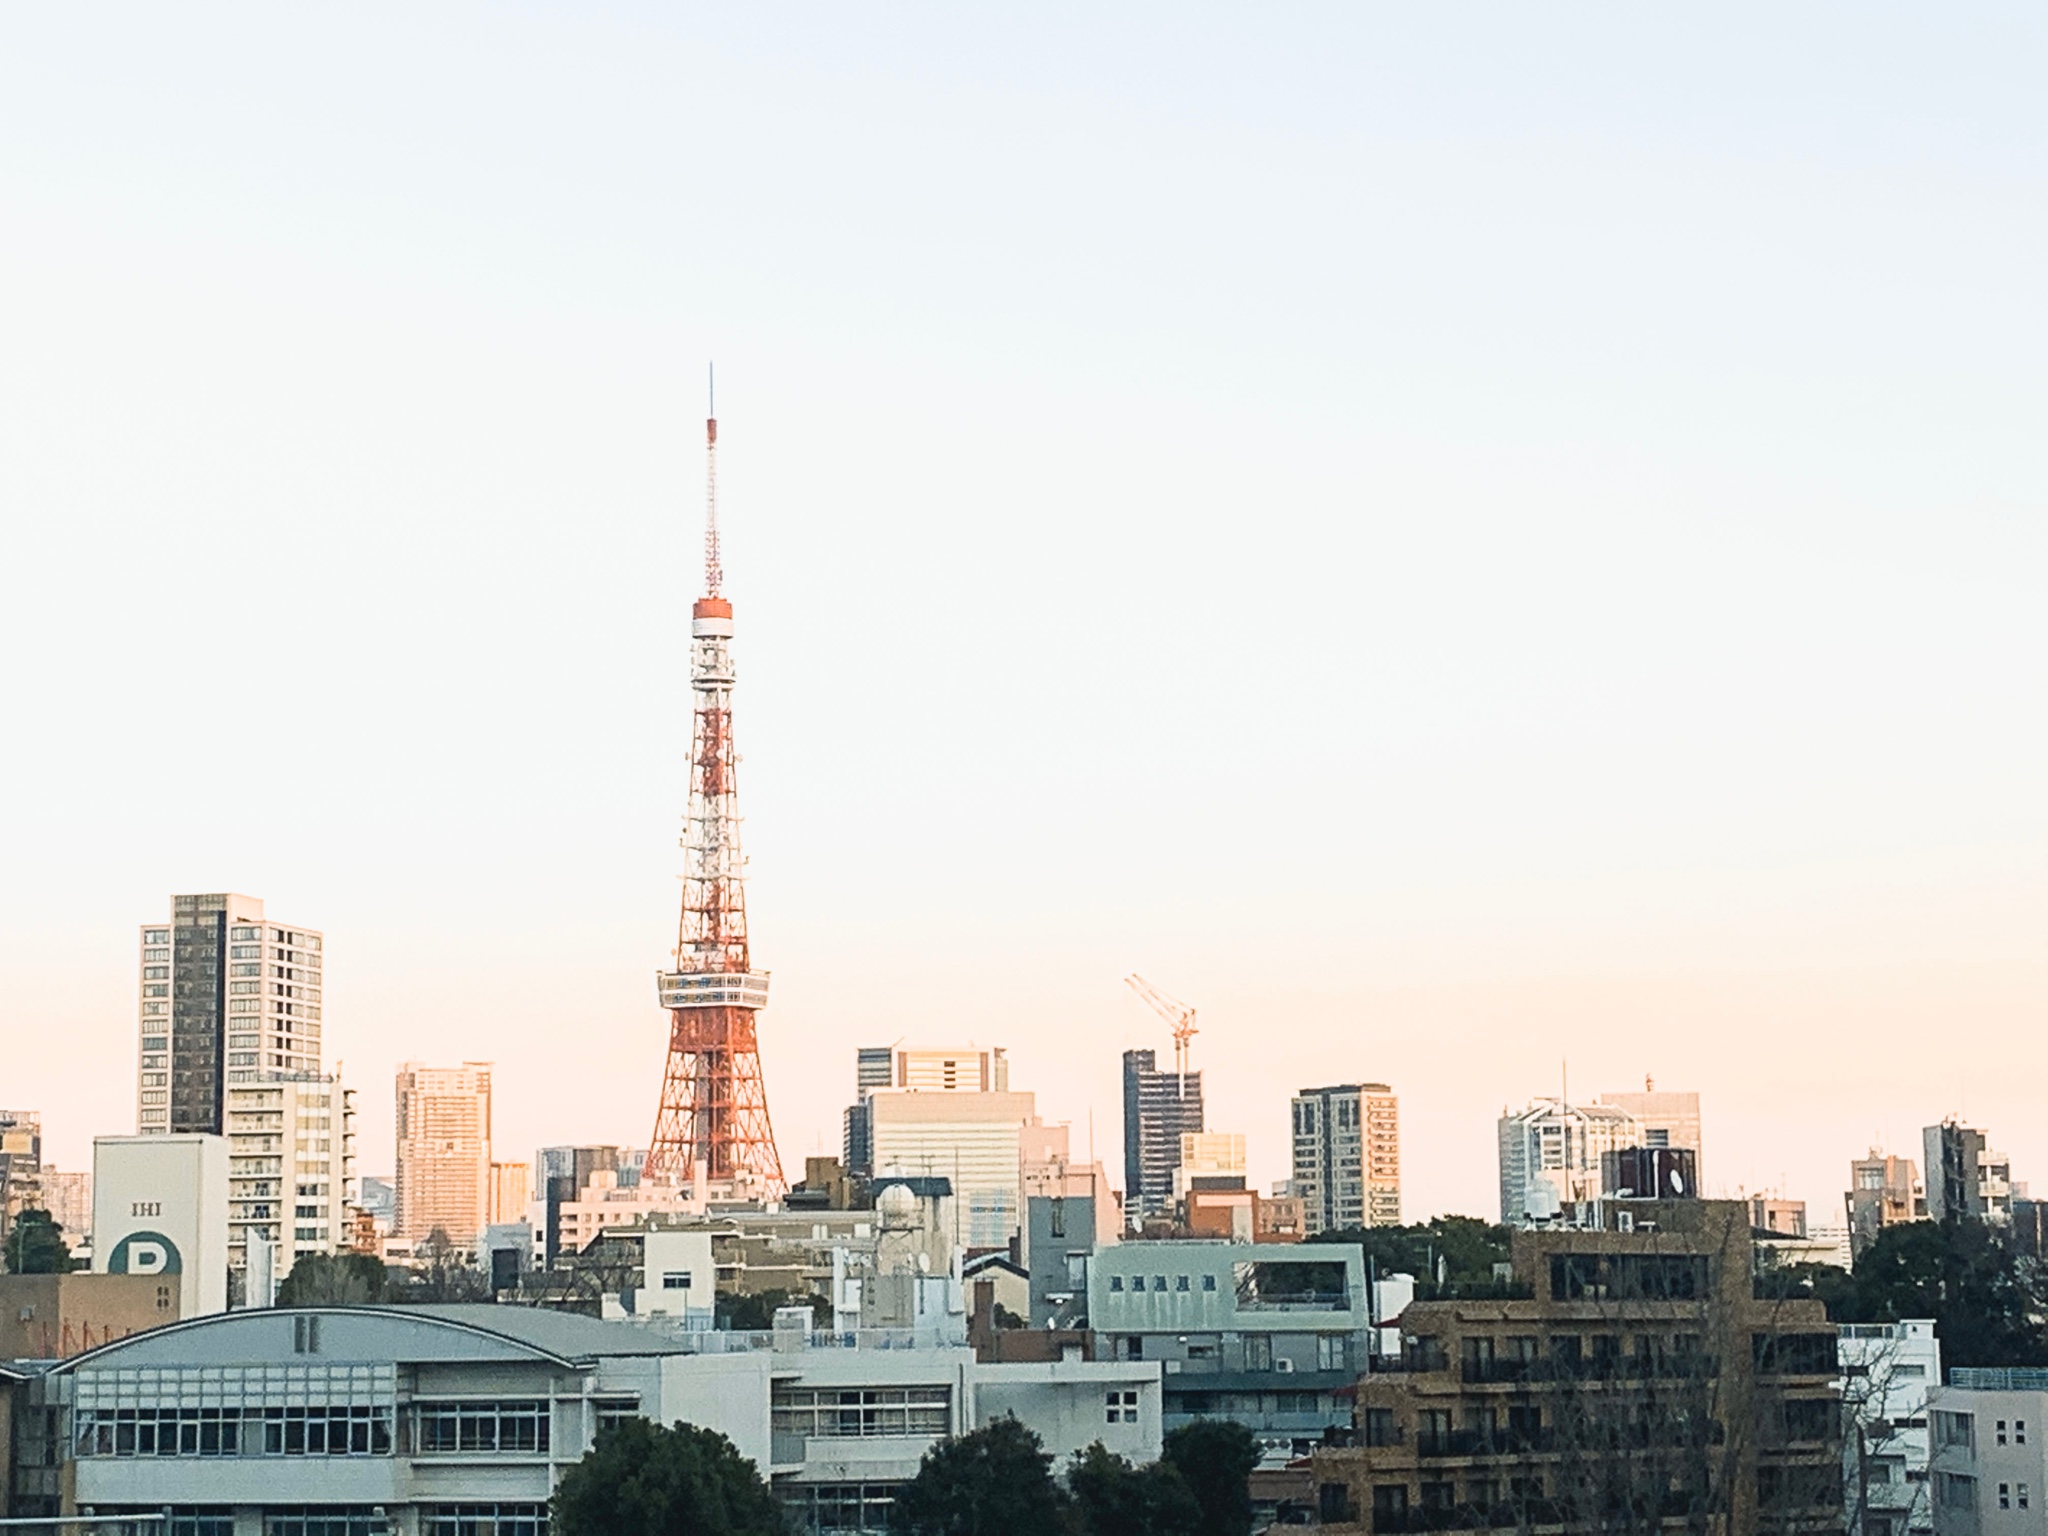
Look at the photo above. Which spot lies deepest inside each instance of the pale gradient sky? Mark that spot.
(1452, 537)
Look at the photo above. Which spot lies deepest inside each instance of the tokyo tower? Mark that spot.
(713, 1123)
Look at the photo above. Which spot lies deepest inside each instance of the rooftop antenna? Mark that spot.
(714, 573)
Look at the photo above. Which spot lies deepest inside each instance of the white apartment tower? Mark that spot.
(226, 996)
(1347, 1156)
(291, 1168)
(230, 1046)
(444, 1151)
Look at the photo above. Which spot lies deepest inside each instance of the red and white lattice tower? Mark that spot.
(713, 1123)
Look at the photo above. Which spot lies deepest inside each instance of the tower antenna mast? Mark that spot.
(712, 1126)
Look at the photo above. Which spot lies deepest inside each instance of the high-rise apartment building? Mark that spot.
(1159, 1109)
(444, 1151)
(1347, 1156)
(1663, 1119)
(1552, 1158)
(291, 1169)
(226, 995)
(1965, 1178)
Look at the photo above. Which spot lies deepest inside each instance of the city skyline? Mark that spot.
(1642, 628)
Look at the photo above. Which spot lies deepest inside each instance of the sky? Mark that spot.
(1485, 547)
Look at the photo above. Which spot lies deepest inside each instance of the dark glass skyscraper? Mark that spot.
(1159, 1108)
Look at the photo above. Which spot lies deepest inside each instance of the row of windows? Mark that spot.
(841, 1509)
(348, 1520)
(862, 1413)
(330, 1431)
(519, 1426)
(1180, 1282)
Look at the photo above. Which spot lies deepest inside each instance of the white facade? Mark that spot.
(160, 1206)
(1347, 1156)
(971, 1139)
(225, 994)
(1888, 1370)
(291, 1162)
(401, 1421)
(1989, 1471)
(1550, 1157)
(680, 1280)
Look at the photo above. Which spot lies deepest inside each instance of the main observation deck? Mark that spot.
(712, 989)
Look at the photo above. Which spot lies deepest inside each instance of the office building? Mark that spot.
(511, 1193)
(444, 1151)
(1883, 1191)
(1347, 1156)
(1638, 1379)
(925, 1069)
(1552, 1158)
(67, 1196)
(1208, 1160)
(1159, 1109)
(291, 1171)
(1965, 1178)
(1888, 1372)
(225, 994)
(1989, 1457)
(1663, 1119)
(160, 1208)
(1049, 1170)
(1272, 1335)
(971, 1138)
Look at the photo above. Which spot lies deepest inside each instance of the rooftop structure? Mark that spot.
(1552, 1156)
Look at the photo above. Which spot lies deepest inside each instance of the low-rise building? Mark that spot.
(1639, 1378)
(1989, 1460)
(1273, 1335)
(460, 1420)
(52, 1317)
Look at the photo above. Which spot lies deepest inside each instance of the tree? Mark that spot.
(755, 1313)
(996, 1481)
(1215, 1458)
(644, 1480)
(1114, 1498)
(36, 1246)
(444, 1272)
(334, 1280)
(1458, 1251)
(1982, 1292)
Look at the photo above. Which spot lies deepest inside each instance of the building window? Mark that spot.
(844, 1507)
(1180, 1282)
(2020, 1489)
(484, 1520)
(1954, 1429)
(1121, 1408)
(614, 1411)
(2019, 1431)
(1116, 1282)
(675, 1282)
(861, 1412)
(1956, 1492)
(327, 1520)
(2005, 1495)
(517, 1426)
(1208, 1282)
(325, 1431)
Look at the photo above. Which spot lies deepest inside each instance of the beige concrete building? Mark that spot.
(511, 1192)
(1048, 1169)
(227, 994)
(1883, 1190)
(1347, 1156)
(53, 1317)
(444, 1151)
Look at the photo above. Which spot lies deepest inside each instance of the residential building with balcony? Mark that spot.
(1888, 1372)
(1273, 1335)
(1638, 1376)
(1883, 1191)
(1965, 1178)
(1989, 1461)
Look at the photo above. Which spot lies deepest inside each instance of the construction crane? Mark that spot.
(1175, 1012)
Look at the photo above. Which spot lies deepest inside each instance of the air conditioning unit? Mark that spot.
(1284, 1365)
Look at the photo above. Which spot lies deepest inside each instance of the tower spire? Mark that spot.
(713, 1121)
(714, 573)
